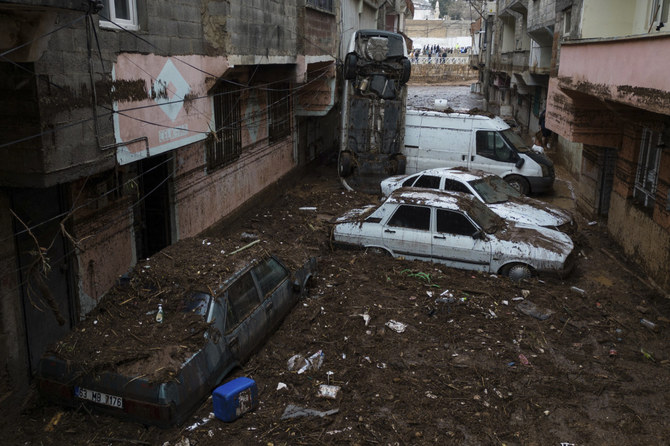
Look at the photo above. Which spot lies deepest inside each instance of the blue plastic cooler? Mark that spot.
(235, 398)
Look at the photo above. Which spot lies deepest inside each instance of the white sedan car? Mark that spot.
(456, 230)
(490, 189)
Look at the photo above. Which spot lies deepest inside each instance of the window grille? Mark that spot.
(646, 178)
(225, 145)
(279, 105)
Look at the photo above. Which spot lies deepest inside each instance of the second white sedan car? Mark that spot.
(456, 230)
(490, 189)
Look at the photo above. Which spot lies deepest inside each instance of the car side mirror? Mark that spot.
(519, 163)
(296, 286)
(479, 235)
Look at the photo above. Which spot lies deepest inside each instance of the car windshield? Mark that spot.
(488, 220)
(515, 140)
(197, 303)
(493, 189)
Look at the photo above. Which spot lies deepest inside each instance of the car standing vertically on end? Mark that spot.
(456, 230)
(376, 71)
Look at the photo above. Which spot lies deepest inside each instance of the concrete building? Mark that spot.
(598, 68)
(128, 125)
(609, 104)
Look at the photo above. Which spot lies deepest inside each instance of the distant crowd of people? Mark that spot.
(436, 53)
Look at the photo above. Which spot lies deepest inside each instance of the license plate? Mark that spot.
(98, 397)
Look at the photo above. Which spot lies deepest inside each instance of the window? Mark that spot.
(409, 181)
(492, 145)
(269, 274)
(454, 223)
(658, 19)
(280, 111)
(242, 299)
(324, 5)
(122, 12)
(456, 186)
(428, 181)
(225, 145)
(646, 178)
(413, 217)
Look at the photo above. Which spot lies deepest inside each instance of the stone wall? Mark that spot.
(437, 73)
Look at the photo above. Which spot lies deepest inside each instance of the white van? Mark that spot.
(435, 139)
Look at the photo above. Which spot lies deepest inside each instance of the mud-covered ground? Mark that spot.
(472, 366)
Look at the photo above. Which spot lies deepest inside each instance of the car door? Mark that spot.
(493, 154)
(276, 290)
(246, 322)
(407, 232)
(455, 244)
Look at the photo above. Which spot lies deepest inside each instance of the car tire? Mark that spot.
(400, 164)
(517, 272)
(519, 183)
(344, 164)
(378, 251)
(406, 70)
(350, 65)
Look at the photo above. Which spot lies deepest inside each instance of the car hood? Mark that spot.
(526, 241)
(531, 212)
(354, 215)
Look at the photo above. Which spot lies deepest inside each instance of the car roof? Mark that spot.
(459, 173)
(430, 197)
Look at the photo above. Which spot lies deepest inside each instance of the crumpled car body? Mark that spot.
(488, 188)
(456, 230)
(247, 308)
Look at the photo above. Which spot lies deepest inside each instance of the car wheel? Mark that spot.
(350, 65)
(344, 164)
(519, 183)
(378, 251)
(517, 272)
(406, 70)
(400, 164)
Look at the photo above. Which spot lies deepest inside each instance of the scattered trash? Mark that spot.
(197, 424)
(159, 314)
(525, 293)
(504, 302)
(303, 364)
(518, 298)
(328, 391)
(619, 334)
(492, 313)
(281, 386)
(642, 309)
(366, 317)
(592, 223)
(235, 398)
(293, 411)
(396, 326)
(248, 236)
(523, 359)
(578, 290)
(446, 300)
(613, 352)
(563, 443)
(307, 208)
(647, 355)
(598, 305)
(431, 395)
(546, 412)
(649, 324)
(54, 422)
(530, 309)
(511, 364)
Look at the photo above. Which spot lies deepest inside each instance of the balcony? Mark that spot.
(630, 71)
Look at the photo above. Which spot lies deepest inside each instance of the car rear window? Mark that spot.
(428, 181)
(269, 274)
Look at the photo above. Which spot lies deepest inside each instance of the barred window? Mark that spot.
(225, 145)
(325, 5)
(646, 178)
(279, 111)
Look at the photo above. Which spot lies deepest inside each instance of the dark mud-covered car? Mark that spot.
(246, 308)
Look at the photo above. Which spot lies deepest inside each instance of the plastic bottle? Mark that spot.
(159, 314)
(649, 324)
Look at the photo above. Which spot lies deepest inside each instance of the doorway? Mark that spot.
(44, 260)
(152, 215)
